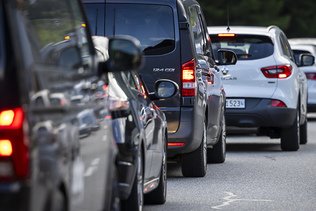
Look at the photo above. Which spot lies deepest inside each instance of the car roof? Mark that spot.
(249, 30)
(307, 40)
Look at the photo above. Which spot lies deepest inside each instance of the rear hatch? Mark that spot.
(155, 26)
(14, 161)
(246, 79)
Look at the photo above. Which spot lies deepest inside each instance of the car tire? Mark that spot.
(159, 195)
(58, 202)
(290, 137)
(194, 164)
(303, 132)
(135, 200)
(217, 154)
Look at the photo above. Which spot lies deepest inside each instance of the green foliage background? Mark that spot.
(296, 18)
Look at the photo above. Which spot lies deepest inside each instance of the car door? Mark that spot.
(146, 117)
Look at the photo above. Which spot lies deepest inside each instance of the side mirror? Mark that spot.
(306, 60)
(164, 89)
(124, 55)
(226, 57)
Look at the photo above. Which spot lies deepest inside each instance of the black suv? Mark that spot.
(49, 76)
(176, 46)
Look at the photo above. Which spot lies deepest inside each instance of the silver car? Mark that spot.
(310, 72)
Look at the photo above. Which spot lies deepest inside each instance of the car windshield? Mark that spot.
(246, 47)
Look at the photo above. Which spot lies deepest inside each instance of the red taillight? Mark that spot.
(12, 118)
(188, 79)
(311, 76)
(226, 35)
(176, 144)
(5, 148)
(278, 103)
(278, 71)
(14, 154)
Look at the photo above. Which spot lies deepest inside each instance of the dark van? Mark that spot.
(176, 46)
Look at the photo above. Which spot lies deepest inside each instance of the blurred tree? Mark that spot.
(296, 18)
(303, 18)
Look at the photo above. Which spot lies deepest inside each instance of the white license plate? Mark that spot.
(235, 103)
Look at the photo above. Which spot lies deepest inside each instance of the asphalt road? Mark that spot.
(257, 175)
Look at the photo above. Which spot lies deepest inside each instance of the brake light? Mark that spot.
(6, 117)
(278, 103)
(14, 154)
(278, 71)
(188, 79)
(5, 147)
(176, 144)
(311, 76)
(226, 35)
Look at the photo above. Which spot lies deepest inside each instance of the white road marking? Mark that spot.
(232, 198)
(92, 167)
(104, 138)
(95, 162)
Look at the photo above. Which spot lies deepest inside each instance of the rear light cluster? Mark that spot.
(176, 144)
(311, 76)
(14, 155)
(188, 79)
(278, 103)
(278, 71)
(226, 35)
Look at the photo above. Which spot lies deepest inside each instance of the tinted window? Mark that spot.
(196, 28)
(60, 34)
(246, 47)
(152, 25)
(286, 49)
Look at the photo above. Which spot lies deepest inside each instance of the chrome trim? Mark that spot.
(123, 163)
(151, 185)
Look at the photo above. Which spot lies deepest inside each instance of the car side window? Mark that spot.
(197, 31)
(286, 47)
(58, 31)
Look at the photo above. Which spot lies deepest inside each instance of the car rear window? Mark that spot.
(152, 25)
(246, 47)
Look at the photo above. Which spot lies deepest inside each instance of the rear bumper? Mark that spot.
(260, 113)
(189, 133)
(14, 196)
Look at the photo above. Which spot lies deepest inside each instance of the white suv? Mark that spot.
(265, 89)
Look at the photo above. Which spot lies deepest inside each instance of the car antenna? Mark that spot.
(228, 27)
